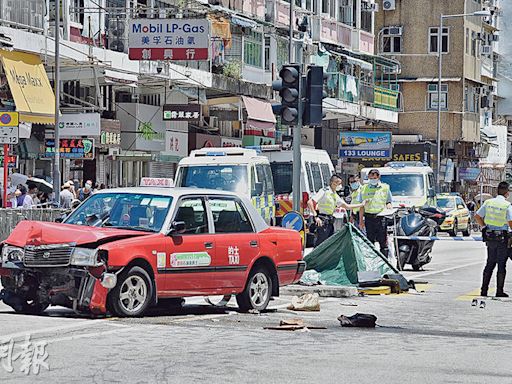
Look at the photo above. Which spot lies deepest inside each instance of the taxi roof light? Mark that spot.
(161, 182)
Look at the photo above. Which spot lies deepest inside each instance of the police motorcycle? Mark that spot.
(412, 222)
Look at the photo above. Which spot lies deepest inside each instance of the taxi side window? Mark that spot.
(261, 178)
(229, 216)
(460, 202)
(193, 213)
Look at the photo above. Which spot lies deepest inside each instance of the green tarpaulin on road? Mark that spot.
(348, 251)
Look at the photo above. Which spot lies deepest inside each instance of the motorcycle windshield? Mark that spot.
(412, 223)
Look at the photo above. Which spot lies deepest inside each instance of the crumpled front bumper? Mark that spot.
(92, 295)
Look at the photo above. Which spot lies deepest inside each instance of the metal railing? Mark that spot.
(10, 217)
(23, 14)
(349, 88)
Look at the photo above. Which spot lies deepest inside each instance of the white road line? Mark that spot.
(445, 270)
(89, 323)
(94, 334)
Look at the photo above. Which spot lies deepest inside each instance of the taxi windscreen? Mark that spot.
(232, 178)
(143, 212)
(445, 203)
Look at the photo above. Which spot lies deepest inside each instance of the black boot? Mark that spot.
(500, 285)
(485, 283)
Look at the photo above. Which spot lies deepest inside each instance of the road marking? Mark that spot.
(473, 294)
(445, 270)
(55, 329)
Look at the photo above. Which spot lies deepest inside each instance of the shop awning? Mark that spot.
(30, 87)
(430, 80)
(258, 110)
(116, 77)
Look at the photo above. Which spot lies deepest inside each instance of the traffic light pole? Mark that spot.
(297, 138)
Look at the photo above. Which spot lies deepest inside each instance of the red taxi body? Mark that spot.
(124, 250)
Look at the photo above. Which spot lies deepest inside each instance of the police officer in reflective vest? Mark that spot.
(495, 216)
(378, 195)
(355, 190)
(327, 200)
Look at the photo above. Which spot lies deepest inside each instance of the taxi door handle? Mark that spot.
(208, 245)
(253, 243)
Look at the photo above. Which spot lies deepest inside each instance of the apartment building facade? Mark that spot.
(409, 31)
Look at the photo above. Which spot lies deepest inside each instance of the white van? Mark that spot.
(412, 183)
(316, 170)
(238, 170)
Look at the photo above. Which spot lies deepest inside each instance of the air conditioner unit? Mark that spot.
(494, 38)
(486, 50)
(396, 31)
(491, 88)
(389, 5)
(476, 35)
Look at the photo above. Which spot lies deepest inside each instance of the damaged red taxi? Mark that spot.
(124, 250)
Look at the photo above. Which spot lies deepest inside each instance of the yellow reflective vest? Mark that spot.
(354, 195)
(376, 197)
(496, 212)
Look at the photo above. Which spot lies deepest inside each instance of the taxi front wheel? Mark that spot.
(258, 291)
(132, 294)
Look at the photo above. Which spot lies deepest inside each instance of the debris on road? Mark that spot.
(310, 278)
(308, 302)
(376, 290)
(351, 304)
(361, 320)
(482, 304)
(293, 325)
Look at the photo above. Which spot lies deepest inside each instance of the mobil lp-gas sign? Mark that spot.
(168, 39)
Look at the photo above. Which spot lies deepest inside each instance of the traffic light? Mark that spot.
(313, 111)
(288, 88)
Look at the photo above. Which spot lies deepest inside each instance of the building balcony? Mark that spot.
(377, 103)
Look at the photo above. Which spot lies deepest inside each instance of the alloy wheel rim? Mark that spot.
(133, 294)
(258, 290)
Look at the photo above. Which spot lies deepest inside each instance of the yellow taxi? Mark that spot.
(457, 214)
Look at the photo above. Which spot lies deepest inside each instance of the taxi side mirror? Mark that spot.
(431, 193)
(177, 227)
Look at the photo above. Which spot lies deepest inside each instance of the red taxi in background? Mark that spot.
(123, 250)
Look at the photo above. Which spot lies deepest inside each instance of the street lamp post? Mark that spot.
(485, 13)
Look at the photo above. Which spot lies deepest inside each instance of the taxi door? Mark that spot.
(190, 255)
(236, 241)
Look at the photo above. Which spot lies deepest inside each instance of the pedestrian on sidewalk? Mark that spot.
(327, 200)
(378, 195)
(495, 218)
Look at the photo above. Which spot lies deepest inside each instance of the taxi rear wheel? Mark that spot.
(258, 291)
(132, 294)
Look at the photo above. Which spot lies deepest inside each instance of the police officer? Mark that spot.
(495, 216)
(327, 200)
(355, 190)
(378, 195)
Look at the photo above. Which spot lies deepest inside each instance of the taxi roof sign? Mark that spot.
(161, 182)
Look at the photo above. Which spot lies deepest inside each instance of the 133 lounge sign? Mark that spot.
(71, 148)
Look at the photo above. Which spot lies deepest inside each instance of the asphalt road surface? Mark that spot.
(434, 336)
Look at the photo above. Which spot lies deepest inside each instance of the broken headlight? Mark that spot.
(12, 254)
(85, 257)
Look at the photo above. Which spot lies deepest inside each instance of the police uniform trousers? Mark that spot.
(497, 253)
(325, 231)
(377, 231)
